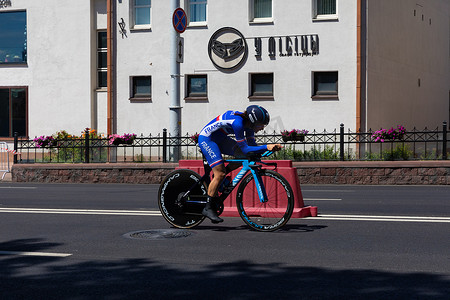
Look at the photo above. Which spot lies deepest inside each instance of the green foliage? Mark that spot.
(328, 153)
(139, 158)
(399, 152)
(71, 148)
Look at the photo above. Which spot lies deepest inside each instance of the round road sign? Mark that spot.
(179, 20)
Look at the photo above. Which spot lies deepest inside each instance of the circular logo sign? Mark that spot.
(179, 20)
(227, 49)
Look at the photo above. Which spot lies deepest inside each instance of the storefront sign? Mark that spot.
(294, 45)
(5, 3)
(228, 49)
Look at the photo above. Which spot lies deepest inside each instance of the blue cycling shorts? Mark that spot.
(214, 145)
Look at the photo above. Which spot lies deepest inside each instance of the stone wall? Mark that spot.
(378, 173)
(92, 173)
(389, 173)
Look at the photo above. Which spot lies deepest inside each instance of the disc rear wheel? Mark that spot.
(176, 209)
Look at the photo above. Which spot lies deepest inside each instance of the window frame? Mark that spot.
(323, 96)
(99, 69)
(135, 26)
(25, 51)
(251, 16)
(324, 17)
(133, 85)
(11, 131)
(257, 95)
(195, 96)
(188, 12)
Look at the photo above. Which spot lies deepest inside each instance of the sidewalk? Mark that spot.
(7, 178)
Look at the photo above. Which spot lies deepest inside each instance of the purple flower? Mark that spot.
(391, 134)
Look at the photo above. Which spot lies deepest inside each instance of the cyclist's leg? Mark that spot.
(213, 156)
(230, 147)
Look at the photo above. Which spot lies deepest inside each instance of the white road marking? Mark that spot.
(383, 218)
(80, 211)
(328, 191)
(22, 253)
(19, 187)
(322, 199)
(158, 213)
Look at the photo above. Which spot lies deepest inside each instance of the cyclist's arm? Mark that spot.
(250, 137)
(242, 141)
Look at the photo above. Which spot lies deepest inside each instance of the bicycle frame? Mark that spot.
(247, 165)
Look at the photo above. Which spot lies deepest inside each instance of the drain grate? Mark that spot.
(158, 234)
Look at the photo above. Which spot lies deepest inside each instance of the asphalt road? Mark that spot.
(109, 242)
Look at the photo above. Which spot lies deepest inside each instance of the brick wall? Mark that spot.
(92, 173)
(389, 173)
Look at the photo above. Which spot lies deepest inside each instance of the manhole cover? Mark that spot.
(158, 234)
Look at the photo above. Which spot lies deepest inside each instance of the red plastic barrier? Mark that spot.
(284, 167)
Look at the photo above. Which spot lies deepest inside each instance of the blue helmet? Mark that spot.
(258, 115)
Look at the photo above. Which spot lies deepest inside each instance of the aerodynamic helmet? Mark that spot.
(258, 115)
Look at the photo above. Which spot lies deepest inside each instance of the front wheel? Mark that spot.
(272, 214)
(182, 212)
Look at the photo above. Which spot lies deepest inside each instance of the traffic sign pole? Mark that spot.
(174, 108)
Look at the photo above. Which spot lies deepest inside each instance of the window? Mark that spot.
(325, 85)
(324, 9)
(196, 87)
(13, 37)
(261, 86)
(13, 111)
(141, 88)
(141, 14)
(102, 65)
(196, 10)
(261, 11)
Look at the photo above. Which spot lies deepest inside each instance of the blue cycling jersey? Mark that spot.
(213, 137)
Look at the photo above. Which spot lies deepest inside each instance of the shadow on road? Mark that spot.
(147, 279)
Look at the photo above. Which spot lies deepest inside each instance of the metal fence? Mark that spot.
(4, 159)
(315, 146)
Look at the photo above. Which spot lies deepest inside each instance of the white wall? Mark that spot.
(57, 73)
(99, 105)
(147, 53)
(61, 66)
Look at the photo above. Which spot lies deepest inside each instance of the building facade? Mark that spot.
(314, 64)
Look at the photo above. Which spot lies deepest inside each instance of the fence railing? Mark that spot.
(315, 146)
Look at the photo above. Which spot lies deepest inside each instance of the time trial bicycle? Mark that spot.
(264, 198)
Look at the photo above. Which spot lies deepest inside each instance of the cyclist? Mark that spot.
(214, 140)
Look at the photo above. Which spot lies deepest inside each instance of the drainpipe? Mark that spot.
(358, 65)
(361, 69)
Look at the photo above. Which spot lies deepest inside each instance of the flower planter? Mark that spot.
(300, 138)
(294, 135)
(126, 139)
(119, 141)
(44, 141)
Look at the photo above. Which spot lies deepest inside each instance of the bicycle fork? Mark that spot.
(254, 169)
